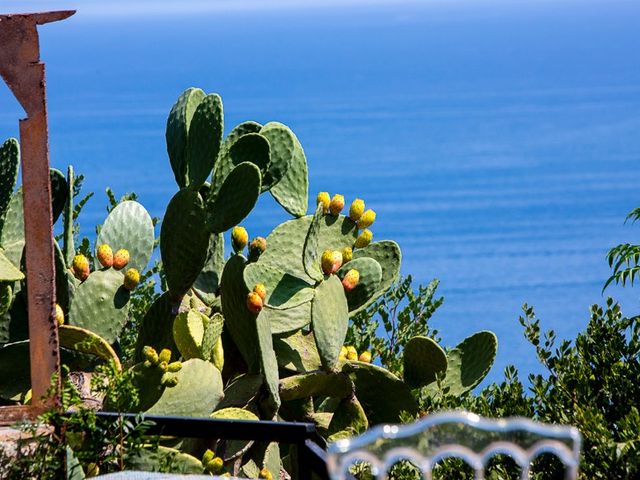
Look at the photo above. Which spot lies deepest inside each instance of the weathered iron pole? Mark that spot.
(21, 69)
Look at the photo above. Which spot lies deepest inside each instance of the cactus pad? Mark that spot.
(208, 281)
(423, 359)
(283, 290)
(8, 273)
(242, 391)
(282, 143)
(12, 235)
(156, 329)
(233, 413)
(313, 384)
(310, 253)
(68, 247)
(160, 458)
(65, 282)
(387, 254)
(297, 352)
(292, 191)
(253, 148)
(330, 319)
(178, 129)
(198, 392)
(268, 363)
(59, 193)
(85, 341)
(101, 304)
(9, 164)
(204, 139)
(369, 283)
(195, 334)
(290, 319)
(235, 199)
(129, 226)
(349, 416)
(184, 241)
(382, 395)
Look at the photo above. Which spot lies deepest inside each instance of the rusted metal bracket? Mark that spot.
(21, 69)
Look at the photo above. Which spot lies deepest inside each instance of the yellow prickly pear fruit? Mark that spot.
(80, 267)
(239, 238)
(93, 470)
(337, 204)
(59, 315)
(343, 353)
(352, 353)
(174, 367)
(164, 366)
(351, 279)
(169, 381)
(131, 279)
(261, 290)
(207, 456)
(367, 219)
(324, 199)
(165, 355)
(120, 259)
(347, 254)
(364, 239)
(254, 302)
(215, 465)
(105, 255)
(266, 474)
(150, 354)
(365, 357)
(356, 209)
(331, 261)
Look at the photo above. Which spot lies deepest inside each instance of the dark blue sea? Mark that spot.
(499, 142)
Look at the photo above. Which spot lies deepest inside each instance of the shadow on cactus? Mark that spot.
(257, 334)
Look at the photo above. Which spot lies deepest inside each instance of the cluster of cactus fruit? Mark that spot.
(253, 337)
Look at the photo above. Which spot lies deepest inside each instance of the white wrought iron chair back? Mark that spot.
(464, 435)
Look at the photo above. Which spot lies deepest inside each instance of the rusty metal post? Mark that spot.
(23, 72)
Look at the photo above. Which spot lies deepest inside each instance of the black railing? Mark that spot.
(309, 445)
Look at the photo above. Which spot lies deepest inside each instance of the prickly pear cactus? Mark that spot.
(9, 163)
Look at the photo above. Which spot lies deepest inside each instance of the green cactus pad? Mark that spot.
(14, 324)
(8, 273)
(285, 244)
(310, 255)
(297, 352)
(233, 413)
(204, 139)
(382, 395)
(129, 226)
(292, 191)
(15, 373)
(65, 284)
(84, 341)
(290, 319)
(423, 359)
(329, 319)
(177, 132)
(313, 384)
(253, 148)
(156, 329)
(282, 143)
(9, 164)
(349, 416)
(235, 199)
(59, 192)
(101, 304)
(284, 291)
(235, 448)
(240, 322)
(6, 297)
(160, 458)
(387, 253)
(470, 362)
(12, 239)
(268, 363)
(208, 281)
(188, 331)
(184, 241)
(68, 247)
(242, 391)
(370, 279)
(198, 392)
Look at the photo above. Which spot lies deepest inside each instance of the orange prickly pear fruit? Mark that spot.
(356, 209)
(261, 290)
(323, 198)
(120, 259)
(347, 254)
(352, 353)
(105, 255)
(367, 219)
(254, 302)
(80, 267)
(337, 204)
(365, 357)
(59, 315)
(239, 238)
(364, 239)
(331, 261)
(257, 246)
(131, 279)
(351, 279)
